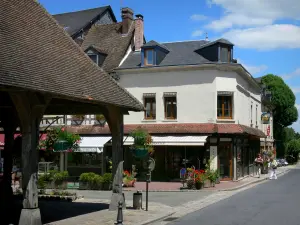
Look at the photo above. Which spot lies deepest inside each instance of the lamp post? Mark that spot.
(148, 180)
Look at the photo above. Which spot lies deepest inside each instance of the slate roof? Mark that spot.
(153, 43)
(109, 38)
(38, 55)
(180, 53)
(75, 21)
(173, 128)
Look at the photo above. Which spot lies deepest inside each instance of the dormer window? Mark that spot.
(225, 54)
(94, 58)
(148, 57)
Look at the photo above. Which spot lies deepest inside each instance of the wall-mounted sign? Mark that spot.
(265, 118)
(268, 130)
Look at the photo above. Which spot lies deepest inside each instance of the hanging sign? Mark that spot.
(265, 118)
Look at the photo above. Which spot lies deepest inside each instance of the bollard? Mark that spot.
(137, 200)
(120, 214)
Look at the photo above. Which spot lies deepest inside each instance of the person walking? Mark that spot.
(273, 164)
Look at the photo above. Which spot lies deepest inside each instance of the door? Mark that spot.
(225, 161)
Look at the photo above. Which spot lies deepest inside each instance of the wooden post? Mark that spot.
(30, 111)
(115, 122)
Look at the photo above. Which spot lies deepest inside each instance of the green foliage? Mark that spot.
(99, 117)
(282, 102)
(293, 148)
(107, 178)
(56, 134)
(60, 176)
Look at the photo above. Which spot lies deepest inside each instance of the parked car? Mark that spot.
(279, 164)
(284, 162)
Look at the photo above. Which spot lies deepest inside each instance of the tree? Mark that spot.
(283, 104)
(293, 148)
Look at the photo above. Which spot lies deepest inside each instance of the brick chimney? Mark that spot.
(139, 32)
(127, 18)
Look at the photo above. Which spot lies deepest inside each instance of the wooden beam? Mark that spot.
(30, 112)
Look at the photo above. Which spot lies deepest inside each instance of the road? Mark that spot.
(274, 202)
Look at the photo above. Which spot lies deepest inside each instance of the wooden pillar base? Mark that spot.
(30, 217)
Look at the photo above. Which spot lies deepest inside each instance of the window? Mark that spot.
(224, 109)
(225, 54)
(150, 106)
(170, 107)
(94, 58)
(148, 57)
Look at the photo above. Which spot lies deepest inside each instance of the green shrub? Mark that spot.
(107, 178)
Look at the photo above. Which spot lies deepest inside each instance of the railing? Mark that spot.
(53, 120)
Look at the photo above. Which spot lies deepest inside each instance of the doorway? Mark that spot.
(225, 161)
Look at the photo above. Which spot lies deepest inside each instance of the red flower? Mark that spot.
(62, 129)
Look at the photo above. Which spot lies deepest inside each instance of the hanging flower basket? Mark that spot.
(100, 120)
(59, 139)
(142, 144)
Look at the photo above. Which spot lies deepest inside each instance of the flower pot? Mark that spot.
(140, 152)
(207, 184)
(83, 185)
(198, 185)
(129, 183)
(62, 145)
(213, 183)
(190, 183)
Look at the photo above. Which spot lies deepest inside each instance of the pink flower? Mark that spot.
(62, 129)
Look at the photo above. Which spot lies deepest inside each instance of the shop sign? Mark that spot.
(268, 131)
(265, 118)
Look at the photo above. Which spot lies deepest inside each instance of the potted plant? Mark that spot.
(85, 181)
(199, 181)
(100, 119)
(128, 179)
(212, 177)
(107, 180)
(60, 180)
(77, 119)
(217, 174)
(142, 143)
(265, 167)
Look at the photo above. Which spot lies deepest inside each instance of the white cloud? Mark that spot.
(297, 106)
(245, 13)
(266, 38)
(293, 74)
(197, 33)
(198, 17)
(253, 69)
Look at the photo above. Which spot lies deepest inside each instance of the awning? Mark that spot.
(93, 144)
(196, 140)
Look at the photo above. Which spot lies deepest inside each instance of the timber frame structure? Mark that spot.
(47, 74)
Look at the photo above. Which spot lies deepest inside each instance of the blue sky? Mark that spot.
(266, 33)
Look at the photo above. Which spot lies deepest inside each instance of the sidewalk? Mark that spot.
(223, 186)
(130, 217)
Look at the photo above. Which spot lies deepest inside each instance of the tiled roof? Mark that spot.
(37, 54)
(181, 128)
(110, 39)
(75, 21)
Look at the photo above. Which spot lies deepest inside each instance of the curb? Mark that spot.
(158, 219)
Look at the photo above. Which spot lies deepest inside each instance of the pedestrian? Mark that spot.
(259, 163)
(273, 163)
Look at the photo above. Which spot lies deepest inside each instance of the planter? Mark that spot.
(62, 145)
(61, 185)
(207, 184)
(84, 185)
(198, 186)
(129, 183)
(96, 186)
(218, 180)
(140, 152)
(190, 183)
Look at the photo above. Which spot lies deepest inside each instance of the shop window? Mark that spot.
(224, 108)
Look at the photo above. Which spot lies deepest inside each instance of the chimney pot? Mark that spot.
(127, 18)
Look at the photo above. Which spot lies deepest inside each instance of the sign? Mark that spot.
(265, 118)
(268, 131)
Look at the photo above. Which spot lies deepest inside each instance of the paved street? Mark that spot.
(273, 202)
(167, 198)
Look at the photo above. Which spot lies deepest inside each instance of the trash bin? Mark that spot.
(137, 200)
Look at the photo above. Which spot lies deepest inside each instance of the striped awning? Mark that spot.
(195, 140)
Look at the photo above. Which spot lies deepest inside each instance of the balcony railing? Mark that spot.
(53, 120)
